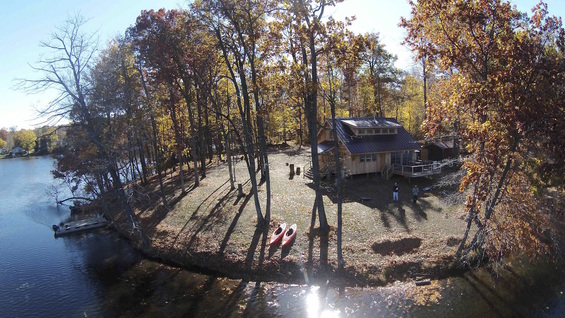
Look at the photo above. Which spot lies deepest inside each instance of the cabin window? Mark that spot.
(401, 157)
(396, 157)
(376, 131)
(368, 157)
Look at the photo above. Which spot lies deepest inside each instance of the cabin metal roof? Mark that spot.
(443, 144)
(370, 122)
(325, 146)
(373, 143)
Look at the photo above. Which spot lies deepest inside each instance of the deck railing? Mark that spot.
(417, 170)
(388, 171)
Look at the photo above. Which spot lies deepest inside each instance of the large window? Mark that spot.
(401, 157)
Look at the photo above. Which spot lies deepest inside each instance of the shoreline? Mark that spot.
(289, 271)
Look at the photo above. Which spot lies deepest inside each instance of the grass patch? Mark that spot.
(211, 227)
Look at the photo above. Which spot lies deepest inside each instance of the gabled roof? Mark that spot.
(373, 143)
(325, 146)
(443, 144)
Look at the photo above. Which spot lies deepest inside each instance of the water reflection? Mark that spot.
(313, 303)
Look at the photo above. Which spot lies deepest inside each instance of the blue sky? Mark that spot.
(24, 24)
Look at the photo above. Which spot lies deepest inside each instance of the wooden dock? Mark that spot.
(67, 228)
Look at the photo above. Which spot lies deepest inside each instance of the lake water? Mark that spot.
(97, 274)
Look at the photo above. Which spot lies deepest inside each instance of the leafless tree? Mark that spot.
(64, 69)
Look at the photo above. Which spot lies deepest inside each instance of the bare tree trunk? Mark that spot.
(155, 143)
(142, 161)
(311, 116)
(201, 143)
(185, 88)
(178, 138)
(478, 238)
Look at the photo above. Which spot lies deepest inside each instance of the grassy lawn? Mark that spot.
(212, 228)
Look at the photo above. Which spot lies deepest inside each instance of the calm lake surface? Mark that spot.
(97, 274)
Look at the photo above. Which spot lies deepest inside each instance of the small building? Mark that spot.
(371, 145)
(439, 150)
(18, 151)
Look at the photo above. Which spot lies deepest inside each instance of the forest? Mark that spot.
(217, 79)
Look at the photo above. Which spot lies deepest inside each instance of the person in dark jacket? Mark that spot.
(395, 192)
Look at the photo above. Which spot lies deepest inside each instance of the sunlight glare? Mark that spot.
(313, 305)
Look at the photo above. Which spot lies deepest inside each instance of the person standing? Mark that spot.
(415, 193)
(395, 192)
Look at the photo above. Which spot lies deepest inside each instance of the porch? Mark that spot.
(417, 169)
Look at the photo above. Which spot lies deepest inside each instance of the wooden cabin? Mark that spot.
(371, 145)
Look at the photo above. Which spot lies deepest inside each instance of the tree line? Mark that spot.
(40, 141)
(181, 88)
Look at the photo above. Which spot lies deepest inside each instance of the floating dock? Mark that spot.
(80, 226)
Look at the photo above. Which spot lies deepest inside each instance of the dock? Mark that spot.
(67, 228)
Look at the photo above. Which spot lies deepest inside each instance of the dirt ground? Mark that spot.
(211, 229)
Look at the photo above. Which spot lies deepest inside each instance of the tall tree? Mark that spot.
(238, 27)
(306, 20)
(65, 70)
(380, 69)
(161, 40)
(116, 90)
(410, 108)
(25, 139)
(499, 67)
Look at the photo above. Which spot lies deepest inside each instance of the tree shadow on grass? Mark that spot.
(231, 228)
(273, 249)
(324, 245)
(285, 250)
(205, 220)
(160, 213)
(214, 212)
(398, 212)
(419, 213)
(259, 237)
(385, 220)
(234, 223)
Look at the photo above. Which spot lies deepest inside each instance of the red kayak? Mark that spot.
(278, 234)
(289, 235)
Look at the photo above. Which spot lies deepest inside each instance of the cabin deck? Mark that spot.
(414, 170)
